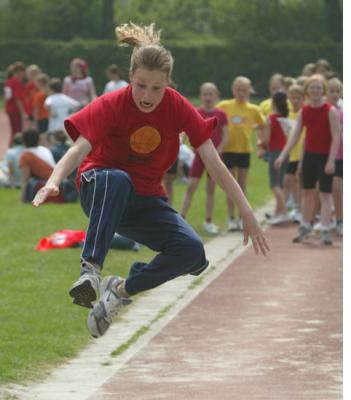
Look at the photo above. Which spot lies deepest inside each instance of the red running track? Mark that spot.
(267, 328)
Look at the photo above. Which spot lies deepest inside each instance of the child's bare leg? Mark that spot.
(210, 190)
(338, 197)
(326, 208)
(191, 189)
(308, 204)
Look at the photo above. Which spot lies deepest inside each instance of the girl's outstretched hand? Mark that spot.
(44, 193)
(252, 229)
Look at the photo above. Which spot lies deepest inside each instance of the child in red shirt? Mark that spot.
(275, 140)
(14, 97)
(219, 137)
(124, 143)
(323, 133)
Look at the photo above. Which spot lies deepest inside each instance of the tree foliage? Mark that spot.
(202, 20)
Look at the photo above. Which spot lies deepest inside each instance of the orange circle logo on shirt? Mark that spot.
(145, 140)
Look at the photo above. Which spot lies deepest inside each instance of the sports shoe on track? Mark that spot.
(233, 225)
(279, 219)
(210, 228)
(101, 316)
(326, 237)
(339, 228)
(303, 233)
(84, 290)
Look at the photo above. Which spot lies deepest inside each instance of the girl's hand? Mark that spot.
(44, 193)
(260, 153)
(329, 168)
(278, 162)
(252, 229)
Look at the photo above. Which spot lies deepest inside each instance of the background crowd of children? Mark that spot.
(298, 133)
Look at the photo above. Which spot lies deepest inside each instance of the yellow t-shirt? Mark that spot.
(266, 107)
(295, 153)
(242, 117)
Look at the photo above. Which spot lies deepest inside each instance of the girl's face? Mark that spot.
(208, 97)
(275, 86)
(148, 88)
(32, 74)
(241, 92)
(334, 93)
(76, 71)
(296, 101)
(315, 90)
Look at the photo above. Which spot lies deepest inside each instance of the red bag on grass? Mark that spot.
(61, 240)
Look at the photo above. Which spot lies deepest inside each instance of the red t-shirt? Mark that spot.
(29, 91)
(318, 133)
(144, 145)
(278, 137)
(222, 120)
(13, 89)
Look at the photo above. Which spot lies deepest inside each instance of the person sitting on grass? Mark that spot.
(36, 162)
(124, 142)
(12, 157)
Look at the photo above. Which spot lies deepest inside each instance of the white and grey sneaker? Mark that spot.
(279, 219)
(211, 228)
(233, 225)
(101, 316)
(84, 290)
(339, 228)
(326, 237)
(303, 233)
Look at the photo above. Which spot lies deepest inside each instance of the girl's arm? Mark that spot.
(220, 174)
(265, 133)
(224, 141)
(92, 90)
(68, 163)
(291, 142)
(335, 129)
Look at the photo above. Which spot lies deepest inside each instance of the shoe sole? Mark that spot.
(83, 294)
(299, 239)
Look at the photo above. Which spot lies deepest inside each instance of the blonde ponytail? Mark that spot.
(137, 36)
(148, 52)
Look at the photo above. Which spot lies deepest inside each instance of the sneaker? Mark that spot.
(210, 228)
(333, 225)
(84, 290)
(233, 225)
(240, 225)
(338, 228)
(303, 233)
(268, 215)
(326, 238)
(295, 216)
(317, 227)
(279, 219)
(101, 316)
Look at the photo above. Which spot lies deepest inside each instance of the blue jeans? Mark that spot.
(109, 200)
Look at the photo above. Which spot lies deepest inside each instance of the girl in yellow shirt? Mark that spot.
(242, 118)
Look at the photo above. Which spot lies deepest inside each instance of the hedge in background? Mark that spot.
(194, 63)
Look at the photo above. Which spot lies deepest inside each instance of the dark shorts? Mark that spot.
(276, 176)
(339, 168)
(313, 166)
(240, 160)
(174, 168)
(292, 167)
